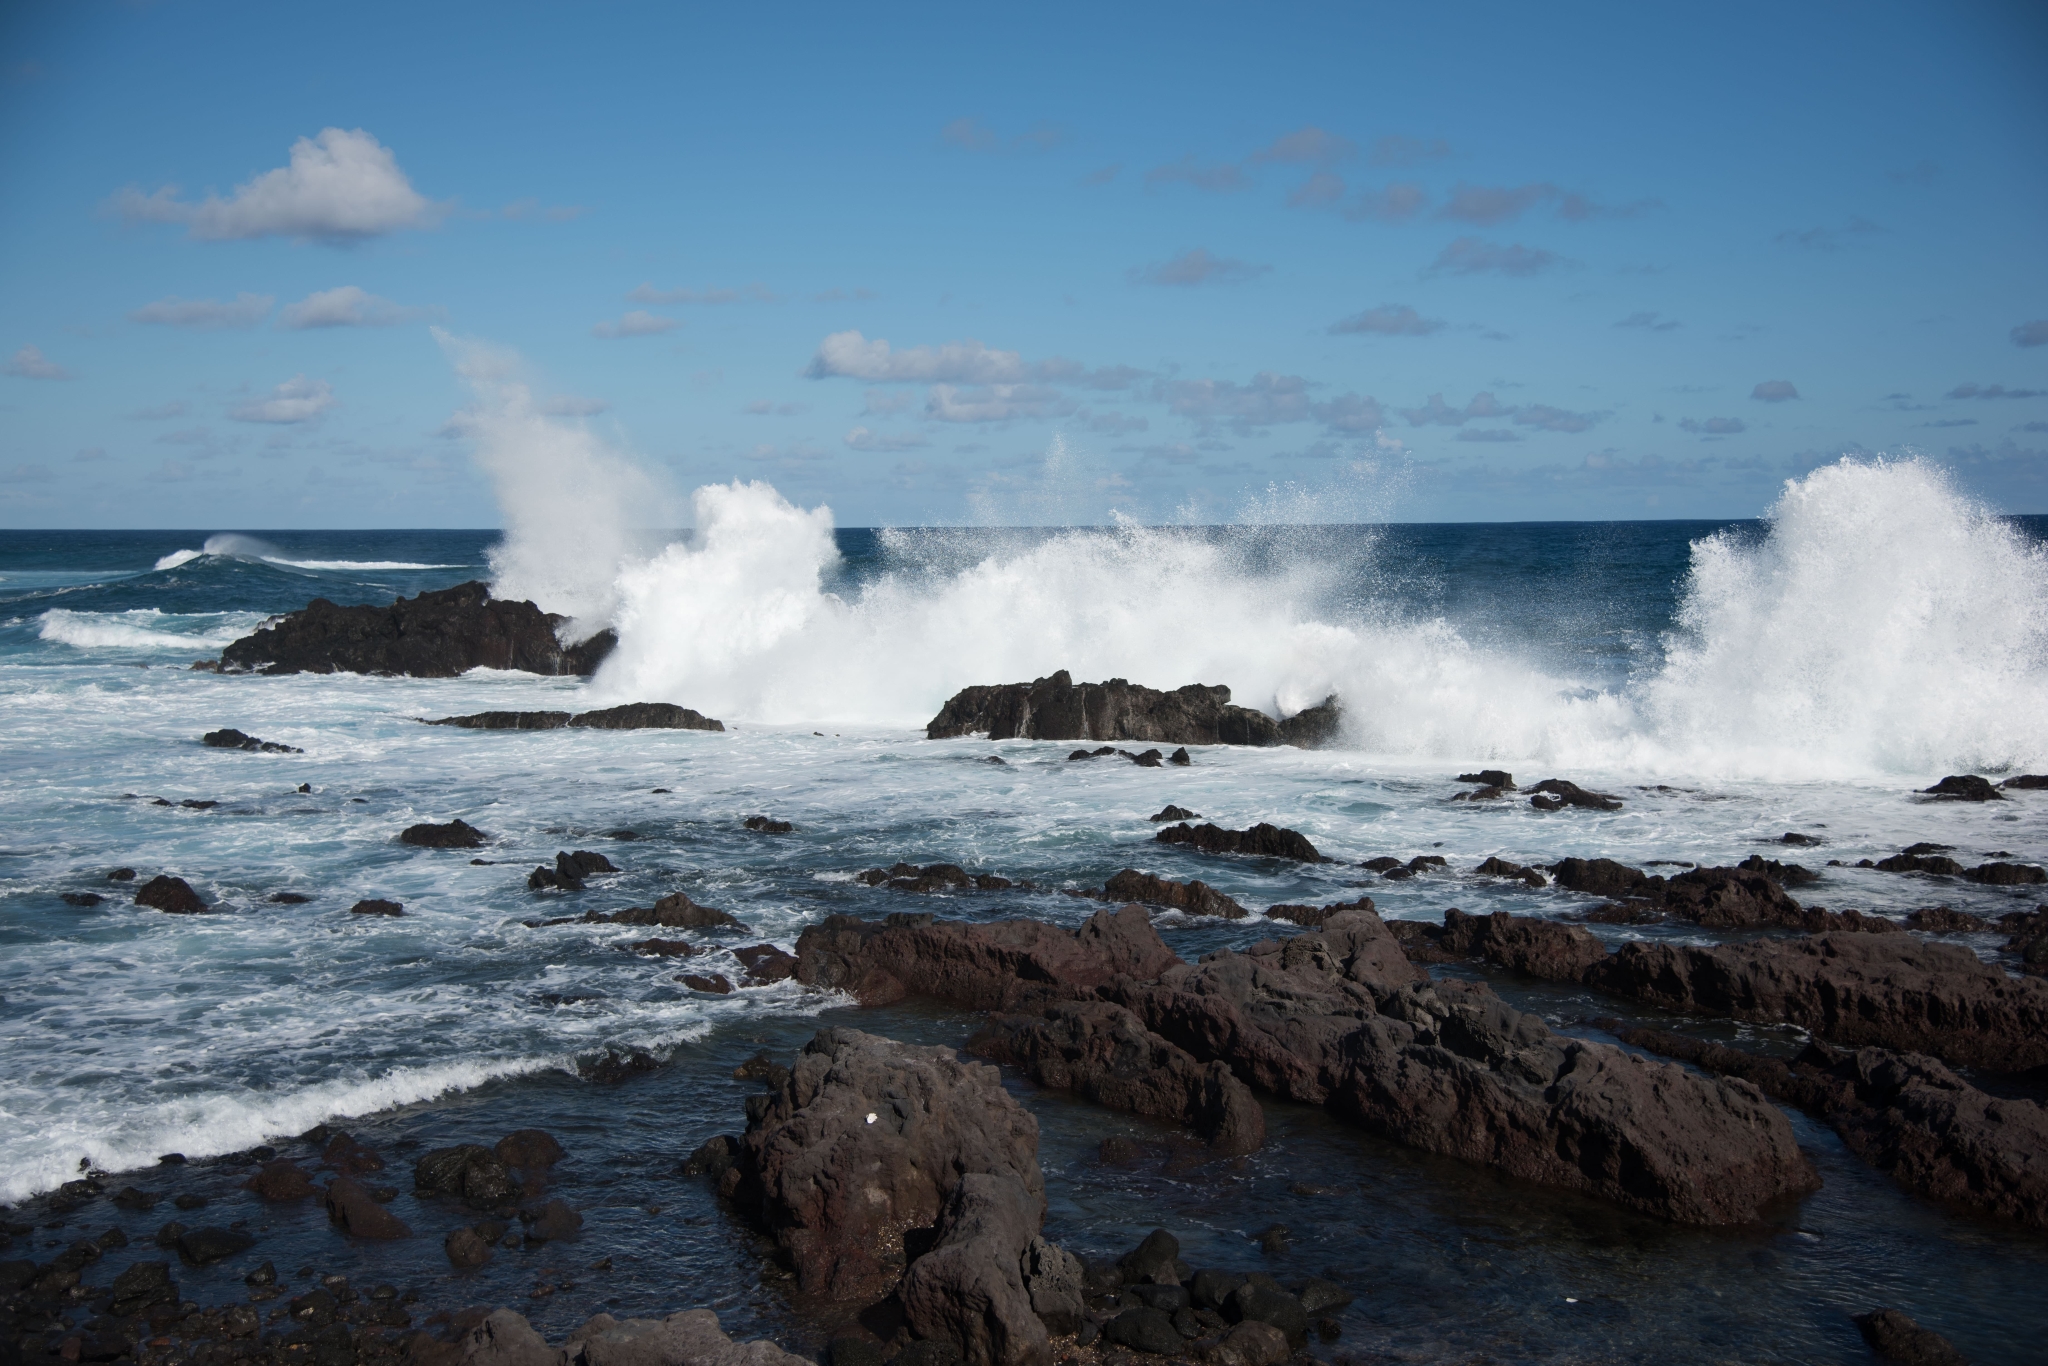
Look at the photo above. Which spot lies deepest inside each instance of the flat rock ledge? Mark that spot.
(632, 716)
(1057, 708)
(435, 635)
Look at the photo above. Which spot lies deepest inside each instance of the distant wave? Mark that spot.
(145, 628)
(233, 547)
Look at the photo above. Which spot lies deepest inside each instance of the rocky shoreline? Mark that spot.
(899, 1185)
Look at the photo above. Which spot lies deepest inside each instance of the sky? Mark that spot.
(951, 264)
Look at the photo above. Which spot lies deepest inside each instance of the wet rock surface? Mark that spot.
(1193, 897)
(434, 635)
(1262, 841)
(1057, 708)
(229, 738)
(171, 895)
(455, 834)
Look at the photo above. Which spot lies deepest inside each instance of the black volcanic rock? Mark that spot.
(234, 739)
(435, 635)
(1272, 841)
(506, 720)
(2027, 780)
(1966, 787)
(455, 834)
(1057, 708)
(170, 894)
(632, 716)
(1554, 794)
(1195, 898)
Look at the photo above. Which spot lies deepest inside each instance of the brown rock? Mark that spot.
(1104, 1054)
(1315, 917)
(1193, 897)
(715, 983)
(766, 963)
(968, 1291)
(466, 1249)
(354, 1211)
(991, 966)
(1497, 866)
(280, 1181)
(172, 895)
(1943, 920)
(456, 834)
(1554, 794)
(529, 1150)
(374, 906)
(1895, 1337)
(676, 912)
(1262, 840)
(662, 948)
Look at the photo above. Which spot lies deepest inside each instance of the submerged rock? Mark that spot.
(377, 906)
(234, 739)
(1262, 840)
(645, 716)
(1496, 866)
(1057, 708)
(434, 635)
(1895, 1337)
(1490, 777)
(506, 720)
(1555, 794)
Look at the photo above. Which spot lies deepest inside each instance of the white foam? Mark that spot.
(146, 628)
(229, 545)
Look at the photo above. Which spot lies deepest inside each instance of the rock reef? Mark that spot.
(1057, 708)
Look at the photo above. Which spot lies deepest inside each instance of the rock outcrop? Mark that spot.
(1964, 787)
(1102, 1053)
(1193, 897)
(674, 912)
(435, 635)
(172, 895)
(1057, 708)
(1342, 1019)
(995, 966)
(455, 834)
(632, 716)
(1555, 794)
(1262, 840)
(231, 738)
(1315, 917)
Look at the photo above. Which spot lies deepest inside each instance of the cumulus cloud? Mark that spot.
(1472, 256)
(1197, 267)
(2034, 333)
(1388, 320)
(30, 363)
(1650, 322)
(1222, 178)
(244, 310)
(1714, 426)
(1269, 399)
(645, 293)
(1993, 391)
(341, 185)
(1309, 145)
(1545, 418)
(1395, 150)
(861, 439)
(348, 306)
(298, 399)
(1774, 391)
(1323, 190)
(638, 323)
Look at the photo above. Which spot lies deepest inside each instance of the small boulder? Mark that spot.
(172, 895)
(1966, 787)
(662, 948)
(1489, 777)
(455, 834)
(121, 875)
(715, 983)
(468, 1172)
(529, 1149)
(1250, 1343)
(554, 1221)
(2026, 781)
(204, 1246)
(279, 1181)
(143, 1286)
(765, 963)
(1180, 756)
(354, 1209)
(1895, 1337)
(234, 739)
(1175, 813)
(377, 906)
(466, 1249)
(1152, 1262)
(289, 898)
(1145, 1330)
(1554, 794)
(767, 825)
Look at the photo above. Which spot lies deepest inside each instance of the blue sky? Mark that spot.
(1468, 262)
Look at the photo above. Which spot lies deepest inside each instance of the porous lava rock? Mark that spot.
(1103, 1053)
(644, 716)
(1496, 866)
(675, 912)
(968, 1292)
(468, 1172)
(377, 906)
(1315, 917)
(434, 635)
(1057, 708)
(172, 895)
(1262, 840)
(766, 963)
(993, 966)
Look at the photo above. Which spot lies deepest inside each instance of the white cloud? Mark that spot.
(638, 323)
(29, 363)
(1714, 426)
(571, 405)
(1197, 267)
(341, 185)
(861, 439)
(298, 399)
(994, 403)
(849, 355)
(1774, 391)
(244, 310)
(348, 306)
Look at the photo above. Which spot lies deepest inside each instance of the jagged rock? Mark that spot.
(1314, 727)
(2008, 874)
(205, 1246)
(377, 906)
(172, 895)
(1784, 874)
(1748, 897)
(968, 1291)
(1054, 1278)
(615, 1065)
(506, 720)
(868, 1139)
(1193, 897)
(713, 984)
(505, 1338)
(1270, 841)
(1943, 920)
(1964, 788)
(1496, 866)
(569, 871)
(2026, 781)
(1057, 708)
(1341, 1019)
(1909, 862)
(645, 716)
(230, 738)
(1396, 871)
(2028, 931)
(662, 948)
(1480, 794)
(1541, 948)
(691, 1338)
(142, 1286)
(1895, 1337)
(1554, 794)
(1103, 1053)
(354, 1210)
(1315, 917)
(1175, 813)
(1490, 777)
(934, 877)
(456, 834)
(435, 635)
(675, 912)
(994, 966)
(1180, 757)
(767, 826)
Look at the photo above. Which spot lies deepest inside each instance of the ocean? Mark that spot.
(1807, 671)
